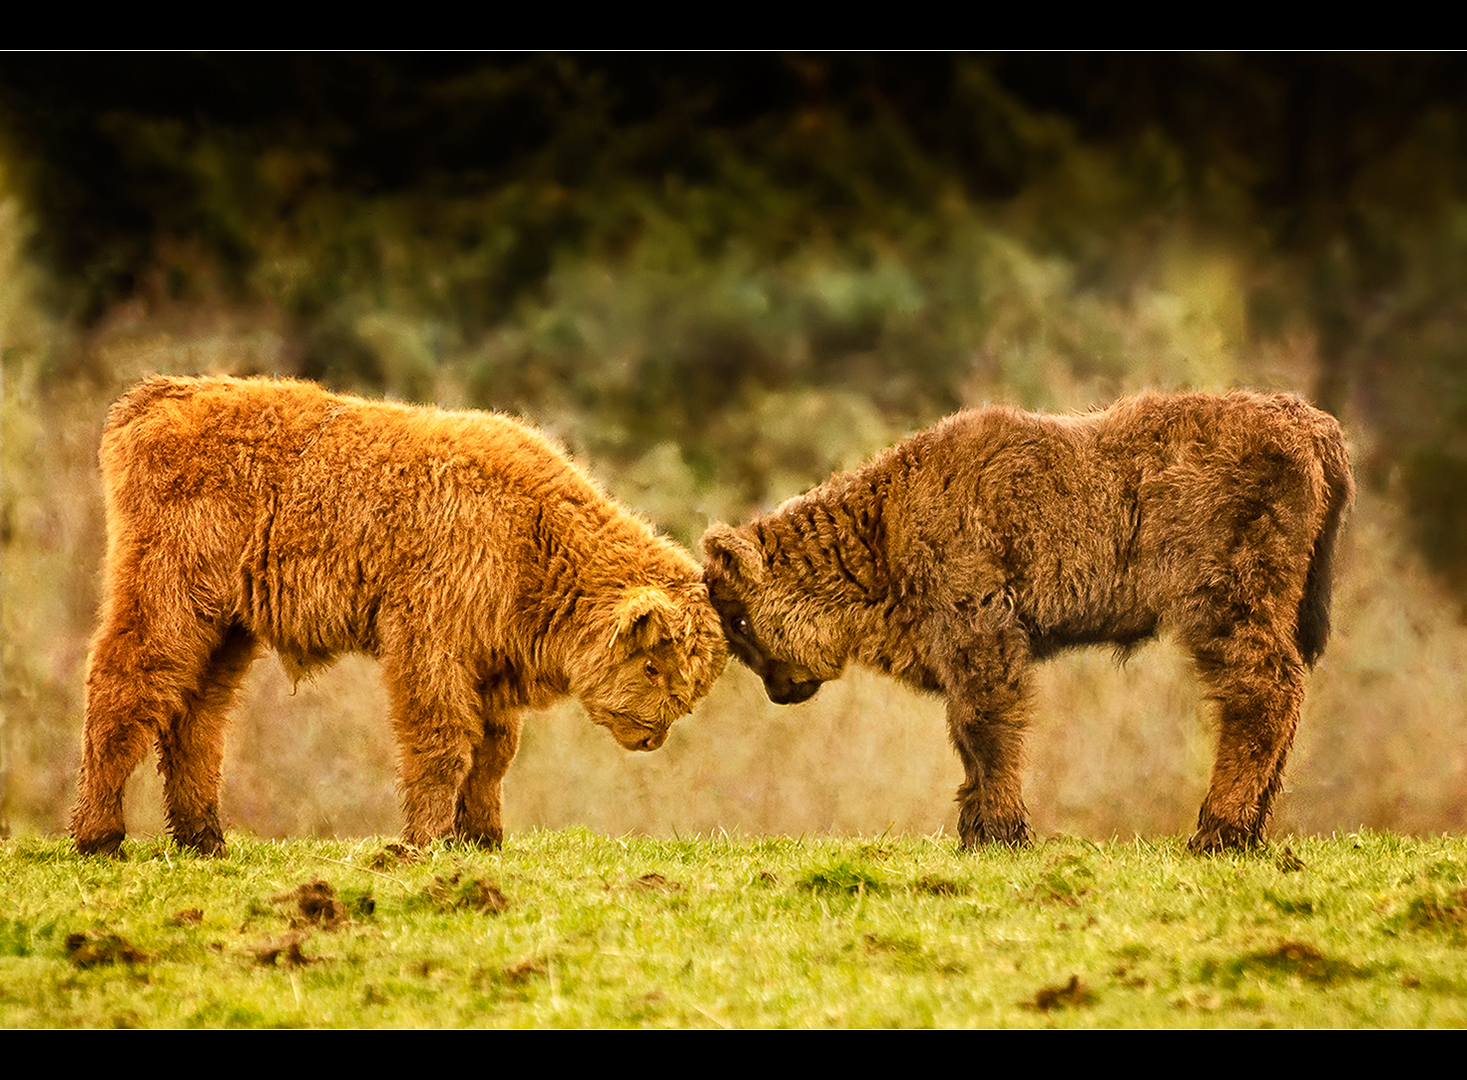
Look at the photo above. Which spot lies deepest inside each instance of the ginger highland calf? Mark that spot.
(462, 550)
(957, 558)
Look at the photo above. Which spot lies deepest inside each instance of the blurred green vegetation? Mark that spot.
(656, 241)
(658, 249)
(717, 278)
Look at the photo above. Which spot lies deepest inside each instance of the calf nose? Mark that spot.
(783, 690)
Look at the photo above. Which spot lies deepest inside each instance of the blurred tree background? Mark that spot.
(716, 278)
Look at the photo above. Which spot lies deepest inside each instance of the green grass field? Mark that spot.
(575, 929)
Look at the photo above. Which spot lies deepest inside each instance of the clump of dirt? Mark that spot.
(1287, 861)
(1433, 911)
(476, 894)
(317, 904)
(885, 943)
(525, 970)
(391, 855)
(1291, 905)
(188, 917)
(1064, 883)
(936, 886)
(1288, 959)
(845, 876)
(1071, 995)
(286, 952)
(1293, 952)
(655, 882)
(96, 950)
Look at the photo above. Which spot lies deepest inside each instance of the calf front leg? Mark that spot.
(987, 711)
(480, 801)
(434, 713)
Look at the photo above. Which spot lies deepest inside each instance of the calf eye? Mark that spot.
(741, 625)
(651, 670)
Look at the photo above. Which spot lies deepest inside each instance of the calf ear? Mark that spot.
(644, 615)
(733, 552)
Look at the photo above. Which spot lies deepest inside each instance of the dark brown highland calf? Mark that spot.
(960, 556)
(461, 549)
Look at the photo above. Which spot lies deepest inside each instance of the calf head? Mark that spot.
(661, 655)
(769, 625)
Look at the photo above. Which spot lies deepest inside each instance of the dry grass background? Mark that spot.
(1117, 749)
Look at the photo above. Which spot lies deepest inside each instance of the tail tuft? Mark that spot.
(1313, 626)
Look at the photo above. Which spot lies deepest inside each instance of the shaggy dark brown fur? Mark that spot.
(956, 558)
(461, 549)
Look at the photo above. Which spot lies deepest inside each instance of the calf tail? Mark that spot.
(1313, 626)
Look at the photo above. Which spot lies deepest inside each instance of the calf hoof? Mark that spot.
(421, 829)
(422, 839)
(1012, 833)
(206, 841)
(489, 840)
(106, 844)
(1214, 835)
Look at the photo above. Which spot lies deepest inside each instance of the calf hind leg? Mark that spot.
(142, 685)
(1258, 695)
(120, 726)
(191, 748)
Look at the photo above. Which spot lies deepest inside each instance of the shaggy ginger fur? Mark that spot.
(956, 558)
(461, 549)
